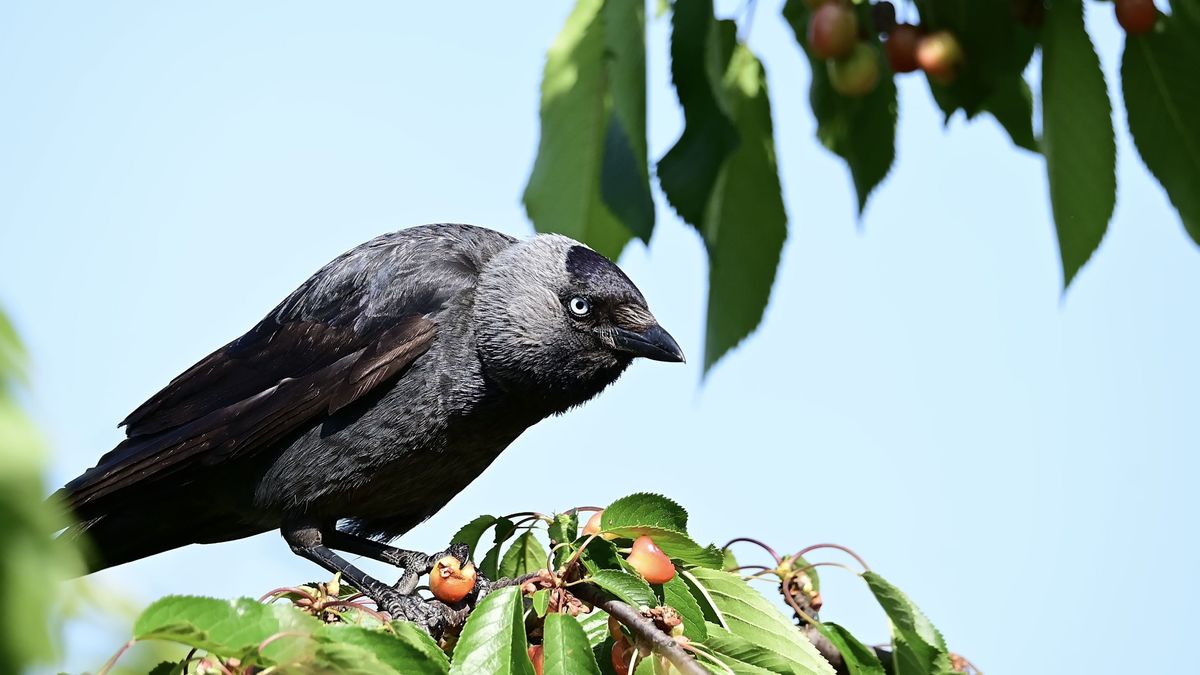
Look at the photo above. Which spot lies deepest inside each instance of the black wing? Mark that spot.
(356, 323)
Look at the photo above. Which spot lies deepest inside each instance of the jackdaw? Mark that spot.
(366, 400)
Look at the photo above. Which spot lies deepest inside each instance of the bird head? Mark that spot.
(556, 319)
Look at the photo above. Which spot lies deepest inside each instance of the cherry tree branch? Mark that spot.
(644, 628)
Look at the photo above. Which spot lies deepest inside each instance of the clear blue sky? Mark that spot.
(1021, 462)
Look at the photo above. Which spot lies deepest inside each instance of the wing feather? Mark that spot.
(354, 325)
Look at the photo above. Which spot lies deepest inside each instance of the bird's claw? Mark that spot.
(432, 616)
(415, 564)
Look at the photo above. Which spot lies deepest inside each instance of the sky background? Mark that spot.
(1020, 461)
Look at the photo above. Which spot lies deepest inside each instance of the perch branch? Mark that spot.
(644, 628)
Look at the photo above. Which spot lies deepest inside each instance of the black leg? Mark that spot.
(414, 563)
(307, 540)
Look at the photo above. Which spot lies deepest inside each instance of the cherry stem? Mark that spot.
(763, 568)
(275, 594)
(530, 518)
(826, 563)
(108, 665)
(756, 542)
(844, 549)
(575, 557)
(767, 575)
(528, 515)
(587, 508)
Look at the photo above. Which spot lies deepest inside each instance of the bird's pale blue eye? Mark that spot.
(579, 306)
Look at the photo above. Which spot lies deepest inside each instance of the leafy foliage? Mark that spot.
(721, 175)
(745, 613)
(715, 615)
(1162, 100)
(590, 180)
(1081, 154)
(860, 130)
(25, 634)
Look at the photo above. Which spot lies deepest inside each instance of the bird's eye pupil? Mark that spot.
(579, 306)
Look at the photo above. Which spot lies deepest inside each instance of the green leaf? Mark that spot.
(1011, 103)
(675, 593)
(627, 587)
(595, 625)
(747, 614)
(645, 508)
(662, 520)
(567, 648)
(689, 170)
(859, 658)
(590, 180)
(1077, 134)
(1162, 99)
(919, 647)
(493, 640)
(996, 50)
(224, 627)
(167, 668)
(600, 554)
(541, 601)
(470, 533)
(705, 600)
(345, 658)
(565, 528)
(625, 173)
(490, 566)
(861, 130)
(745, 223)
(409, 650)
(729, 560)
(743, 655)
(524, 556)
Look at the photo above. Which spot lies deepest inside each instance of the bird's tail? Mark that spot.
(133, 532)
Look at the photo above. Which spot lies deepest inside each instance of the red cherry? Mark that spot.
(450, 581)
(857, 74)
(832, 30)
(940, 56)
(1137, 17)
(649, 560)
(901, 48)
(538, 656)
(593, 524)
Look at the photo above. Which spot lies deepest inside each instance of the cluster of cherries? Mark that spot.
(451, 581)
(834, 35)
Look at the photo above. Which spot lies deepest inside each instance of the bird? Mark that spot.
(366, 400)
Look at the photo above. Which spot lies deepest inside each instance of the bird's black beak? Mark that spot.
(651, 343)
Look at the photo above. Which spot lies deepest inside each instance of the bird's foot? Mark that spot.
(432, 616)
(417, 564)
